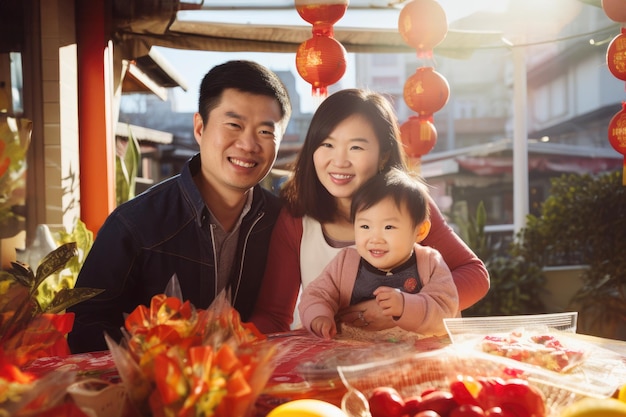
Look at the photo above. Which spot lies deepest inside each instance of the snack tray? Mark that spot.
(598, 373)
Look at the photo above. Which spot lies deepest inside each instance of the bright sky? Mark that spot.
(193, 65)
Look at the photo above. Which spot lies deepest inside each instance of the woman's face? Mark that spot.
(348, 157)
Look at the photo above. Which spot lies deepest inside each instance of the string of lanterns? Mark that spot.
(321, 60)
(423, 25)
(616, 62)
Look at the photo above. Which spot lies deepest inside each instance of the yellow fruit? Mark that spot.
(622, 394)
(307, 408)
(595, 407)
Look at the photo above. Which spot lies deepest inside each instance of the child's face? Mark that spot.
(384, 234)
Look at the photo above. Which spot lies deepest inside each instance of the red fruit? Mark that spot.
(426, 413)
(514, 395)
(498, 412)
(428, 391)
(386, 402)
(412, 404)
(441, 402)
(467, 410)
(461, 393)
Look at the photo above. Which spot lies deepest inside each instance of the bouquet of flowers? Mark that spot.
(179, 361)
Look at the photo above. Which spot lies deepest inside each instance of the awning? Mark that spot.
(496, 159)
(275, 26)
(151, 73)
(143, 134)
(502, 165)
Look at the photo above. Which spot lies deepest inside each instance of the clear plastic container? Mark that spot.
(412, 374)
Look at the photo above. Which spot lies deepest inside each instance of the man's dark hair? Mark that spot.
(244, 76)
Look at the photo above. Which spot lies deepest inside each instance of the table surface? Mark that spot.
(305, 367)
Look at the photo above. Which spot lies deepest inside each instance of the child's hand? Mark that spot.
(390, 300)
(324, 327)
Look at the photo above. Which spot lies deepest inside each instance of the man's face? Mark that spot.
(239, 143)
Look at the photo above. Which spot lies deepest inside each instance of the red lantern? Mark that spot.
(321, 61)
(322, 14)
(616, 56)
(615, 10)
(617, 135)
(418, 135)
(426, 91)
(423, 25)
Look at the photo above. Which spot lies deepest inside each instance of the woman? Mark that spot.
(352, 136)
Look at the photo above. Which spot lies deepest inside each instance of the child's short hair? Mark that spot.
(404, 187)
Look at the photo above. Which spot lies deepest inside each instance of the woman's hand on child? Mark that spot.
(324, 327)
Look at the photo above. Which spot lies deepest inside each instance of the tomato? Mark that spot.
(426, 413)
(498, 412)
(386, 402)
(441, 402)
(514, 395)
(412, 404)
(462, 391)
(467, 410)
(428, 391)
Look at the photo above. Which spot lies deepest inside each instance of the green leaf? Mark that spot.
(126, 169)
(23, 274)
(67, 297)
(54, 262)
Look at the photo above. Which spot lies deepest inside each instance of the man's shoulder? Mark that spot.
(162, 201)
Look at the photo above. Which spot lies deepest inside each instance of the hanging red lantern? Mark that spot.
(616, 56)
(617, 135)
(322, 14)
(615, 10)
(418, 135)
(426, 91)
(423, 25)
(321, 61)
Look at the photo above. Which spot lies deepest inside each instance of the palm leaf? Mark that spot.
(54, 262)
(67, 297)
(23, 274)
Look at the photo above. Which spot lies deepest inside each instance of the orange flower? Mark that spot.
(199, 362)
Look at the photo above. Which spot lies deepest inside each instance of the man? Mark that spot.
(210, 225)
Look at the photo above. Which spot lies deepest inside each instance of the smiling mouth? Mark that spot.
(341, 176)
(241, 163)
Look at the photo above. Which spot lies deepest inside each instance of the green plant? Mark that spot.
(127, 162)
(516, 283)
(19, 286)
(583, 221)
(14, 143)
(82, 238)
(472, 229)
(516, 286)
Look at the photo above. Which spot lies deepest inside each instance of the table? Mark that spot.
(305, 366)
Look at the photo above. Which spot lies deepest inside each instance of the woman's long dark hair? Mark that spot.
(303, 192)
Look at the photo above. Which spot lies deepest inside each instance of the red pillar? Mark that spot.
(97, 181)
